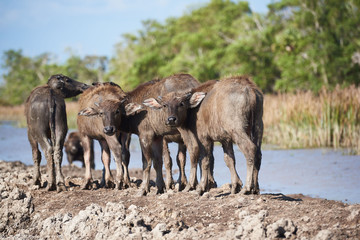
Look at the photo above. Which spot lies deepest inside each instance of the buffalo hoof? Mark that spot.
(122, 185)
(142, 192)
(61, 187)
(248, 191)
(212, 184)
(37, 182)
(200, 190)
(50, 187)
(181, 185)
(110, 184)
(189, 188)
(170, 185)
(87, 185)
(160, 190)
(235, 188)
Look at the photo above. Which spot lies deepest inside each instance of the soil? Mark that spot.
(28, 212)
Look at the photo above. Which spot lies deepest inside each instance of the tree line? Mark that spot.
(297, 45)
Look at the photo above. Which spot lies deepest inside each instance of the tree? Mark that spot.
(316, 44)
(22, 74)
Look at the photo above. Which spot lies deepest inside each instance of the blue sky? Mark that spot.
(87, 27)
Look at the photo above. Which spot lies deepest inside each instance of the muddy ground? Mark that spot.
(31, 213)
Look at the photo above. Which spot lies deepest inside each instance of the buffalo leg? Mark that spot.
(116, 148)
(169, 183)
(58, 156)
(106, 158)
(88, 145)
(125, 140)
(146, 159)
(257, 139)
(36, 155)
(206, 148)
(248, 148)
(157, 150)
(212, 182)
(48, 150)
(181, 161)
(193, 149)
(229, 158)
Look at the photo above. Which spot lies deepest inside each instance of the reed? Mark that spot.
(291, 120)
(306, 120)
(17, 114)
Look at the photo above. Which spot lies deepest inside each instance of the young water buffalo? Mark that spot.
(149, 125)
(230, 112)
(102, 109)
(75, 151)
(46, 119)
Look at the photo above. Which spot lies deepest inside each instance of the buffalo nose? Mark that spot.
(108, 129)
(171, 120)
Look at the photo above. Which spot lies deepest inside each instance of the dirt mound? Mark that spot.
(31, 213)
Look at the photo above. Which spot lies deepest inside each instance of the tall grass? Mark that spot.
(17, 114)
(303, 120)
(300, 120)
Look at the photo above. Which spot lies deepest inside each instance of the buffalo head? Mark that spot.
(111, 111)
(66, 86)
(176, 105)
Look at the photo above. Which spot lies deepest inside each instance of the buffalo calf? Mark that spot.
(75, 151)
(229, 111)
(47, 125)
(102, 109)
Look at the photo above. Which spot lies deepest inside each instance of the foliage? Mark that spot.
(23, 73)
(299, 44)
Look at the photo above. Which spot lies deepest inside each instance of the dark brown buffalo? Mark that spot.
(149, 125)
(230, 112)
(47, 125)
(102, 109)
(75, 151)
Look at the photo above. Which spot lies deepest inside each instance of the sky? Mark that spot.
(87, 27)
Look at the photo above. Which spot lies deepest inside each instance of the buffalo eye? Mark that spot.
(182, 104)
(101, 113)
(117, 111)
(164, 105)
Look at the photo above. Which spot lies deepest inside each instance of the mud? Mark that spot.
(31, 213)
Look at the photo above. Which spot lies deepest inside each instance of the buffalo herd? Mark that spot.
(174, 109)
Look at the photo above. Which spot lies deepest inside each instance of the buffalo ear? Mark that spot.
(196, 99)
(88, 111)
(152, 102)
(132, 108)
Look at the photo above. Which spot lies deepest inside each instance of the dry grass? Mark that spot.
(17, 114)
(13, 113)
(303, 120)
(300, 120)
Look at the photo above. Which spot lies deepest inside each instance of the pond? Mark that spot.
(323, 173)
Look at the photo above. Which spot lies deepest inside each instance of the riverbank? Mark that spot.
(31, 213)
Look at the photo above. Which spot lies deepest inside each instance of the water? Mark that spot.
(314, 172)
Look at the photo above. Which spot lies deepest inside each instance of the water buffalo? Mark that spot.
(102, 109)
(75, 151)
(149, 125)
(47, 125)
(230, 112)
